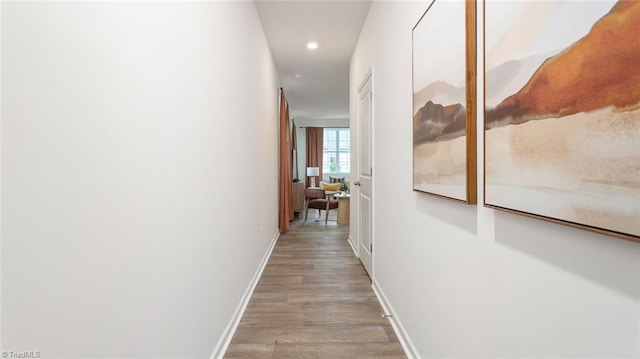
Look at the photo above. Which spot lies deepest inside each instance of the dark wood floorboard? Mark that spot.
(314, 300)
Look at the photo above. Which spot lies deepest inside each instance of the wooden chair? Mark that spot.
(317, 199)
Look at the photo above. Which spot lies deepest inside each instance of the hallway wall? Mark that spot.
(139, 147)
(466, 281)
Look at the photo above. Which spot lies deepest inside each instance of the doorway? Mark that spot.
(365, 174)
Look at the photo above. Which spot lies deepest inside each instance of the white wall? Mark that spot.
(466, 281)
(323, 122)
(132, 136)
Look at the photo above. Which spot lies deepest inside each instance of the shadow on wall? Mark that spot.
(455, 213)
(611, 262)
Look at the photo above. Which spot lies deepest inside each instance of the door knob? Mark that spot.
(356, 183)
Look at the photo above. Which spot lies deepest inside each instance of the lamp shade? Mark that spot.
(313, 171)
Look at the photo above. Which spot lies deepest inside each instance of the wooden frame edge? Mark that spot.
(584, 227)
(472, 98)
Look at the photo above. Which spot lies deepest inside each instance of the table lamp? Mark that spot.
(313, 172)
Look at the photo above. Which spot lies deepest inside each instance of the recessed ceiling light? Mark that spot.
(312, 45)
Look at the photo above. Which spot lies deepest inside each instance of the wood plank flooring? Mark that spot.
(314, 300)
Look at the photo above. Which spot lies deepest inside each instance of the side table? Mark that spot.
(343, 208)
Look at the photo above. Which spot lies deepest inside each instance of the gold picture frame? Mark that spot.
(562, 113)
(444, 101)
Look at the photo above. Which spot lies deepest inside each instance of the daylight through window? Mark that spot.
(336, 151)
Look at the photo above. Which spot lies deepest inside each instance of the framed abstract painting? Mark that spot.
(562, 112)
(444, 96)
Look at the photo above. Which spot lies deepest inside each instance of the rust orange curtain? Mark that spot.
(314, 151)
(285, 200)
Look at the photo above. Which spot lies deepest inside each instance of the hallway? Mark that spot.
(314, 300)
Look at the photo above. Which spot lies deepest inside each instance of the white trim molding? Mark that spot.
(408, 346)
(353, 246)
(230, 329)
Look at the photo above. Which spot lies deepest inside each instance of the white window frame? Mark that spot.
(338, 150)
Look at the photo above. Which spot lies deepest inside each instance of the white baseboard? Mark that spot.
(353, 246)
(230, 330)
(405, 341)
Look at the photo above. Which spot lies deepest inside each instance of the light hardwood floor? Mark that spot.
(314, 300)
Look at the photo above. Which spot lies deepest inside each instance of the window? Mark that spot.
(336, 157)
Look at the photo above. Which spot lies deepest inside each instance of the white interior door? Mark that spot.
(365, 107)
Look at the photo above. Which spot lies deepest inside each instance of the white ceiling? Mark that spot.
(321, 95)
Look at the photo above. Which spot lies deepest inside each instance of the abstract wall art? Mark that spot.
(562, 112)
(444, 95)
